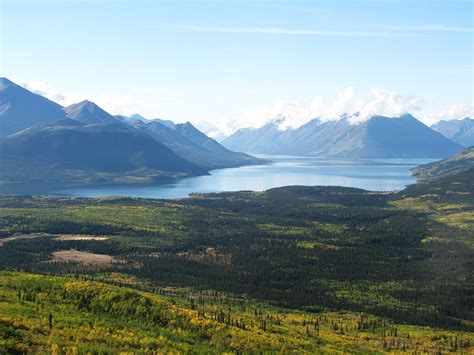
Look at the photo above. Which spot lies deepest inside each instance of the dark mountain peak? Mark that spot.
(8, 87)
(84, 105)
(5, 83)
(21, 108)
(405, 119)
(192, 133)
(88, 112)
(167, 123)
(132, 118)
(189, 127)
(408, 116)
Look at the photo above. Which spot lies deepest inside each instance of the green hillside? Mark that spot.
(458, 163)
(72, 315)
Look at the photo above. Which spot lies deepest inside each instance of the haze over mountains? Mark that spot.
(376, 137)
(460, 131)
(42, 141)
(190, 143)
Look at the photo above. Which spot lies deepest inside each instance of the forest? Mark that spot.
(293, 268)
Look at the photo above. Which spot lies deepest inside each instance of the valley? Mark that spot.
(310, 268)
(236, 177)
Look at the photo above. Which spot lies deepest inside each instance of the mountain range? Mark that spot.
(376, 137)
(460, 131)
(43, 141)
(68, 151)
(188, 142)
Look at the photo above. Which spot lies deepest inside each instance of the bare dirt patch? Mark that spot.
(79, 237)
(82, 257)
(22, 236)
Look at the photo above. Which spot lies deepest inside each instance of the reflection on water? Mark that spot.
(373, 174)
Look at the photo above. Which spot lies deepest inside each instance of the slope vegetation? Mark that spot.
(458, 163)
(75, 315)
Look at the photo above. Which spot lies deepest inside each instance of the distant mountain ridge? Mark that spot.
(460, 131)
(40, 140)
(377, 137)
(190, 143)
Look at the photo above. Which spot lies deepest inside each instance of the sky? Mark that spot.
(230, 64)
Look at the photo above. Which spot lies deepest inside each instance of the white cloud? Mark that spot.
(112, 103)
(49, 92)
(118, 104)
(453, 112)
(459, 111)
(389, 104)
(292, 115)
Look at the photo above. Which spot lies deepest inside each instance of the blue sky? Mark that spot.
(242, 62)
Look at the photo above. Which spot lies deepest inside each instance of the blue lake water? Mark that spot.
(369, 174)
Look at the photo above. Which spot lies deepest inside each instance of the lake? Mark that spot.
(369, 174)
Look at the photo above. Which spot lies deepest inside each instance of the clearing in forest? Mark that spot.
(79, 237)
(22, 236)
(82, 257)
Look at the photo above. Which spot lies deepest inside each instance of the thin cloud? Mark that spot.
(285, 31)
(44, 89)
(453, 112)
(381, 31)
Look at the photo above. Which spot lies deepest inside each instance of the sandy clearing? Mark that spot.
(82, 257)
(79, 237)
(22, 236)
